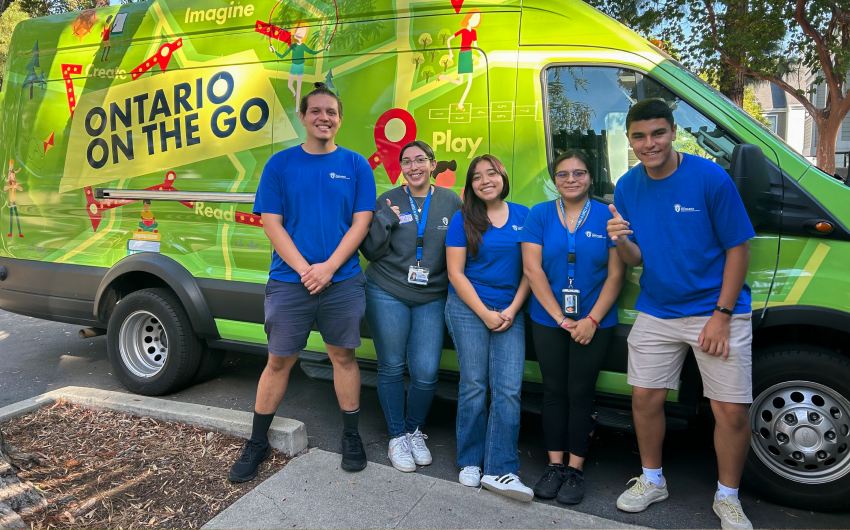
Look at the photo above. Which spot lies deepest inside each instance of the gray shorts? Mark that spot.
(291, 312)
(657, 350)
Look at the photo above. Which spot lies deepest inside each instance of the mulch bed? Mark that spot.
(110, 470)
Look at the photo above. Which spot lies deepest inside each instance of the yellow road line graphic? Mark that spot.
(805, 276)
(241, 172)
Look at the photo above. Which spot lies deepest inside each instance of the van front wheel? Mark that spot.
(151, 345)
(800, 422)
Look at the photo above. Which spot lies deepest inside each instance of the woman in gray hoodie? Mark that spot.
(406, 287)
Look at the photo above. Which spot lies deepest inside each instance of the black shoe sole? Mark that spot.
(355, 466)
(546, 495)
(569, 501)
(246, 478)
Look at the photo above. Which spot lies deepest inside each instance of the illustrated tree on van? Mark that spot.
(468, 40)
(444, 35)
(417, 59)
(425, 40)
(446, 62)
(427, 72)
(32, 78)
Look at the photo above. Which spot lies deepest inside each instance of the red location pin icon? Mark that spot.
(387, 150)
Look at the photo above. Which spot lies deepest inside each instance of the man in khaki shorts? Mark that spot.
(681, 217)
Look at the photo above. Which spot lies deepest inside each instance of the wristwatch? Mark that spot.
(723, 310)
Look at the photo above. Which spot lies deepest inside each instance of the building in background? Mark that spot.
(788, 119)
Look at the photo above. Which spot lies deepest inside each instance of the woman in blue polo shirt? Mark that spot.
(573, 315)
(485, 319)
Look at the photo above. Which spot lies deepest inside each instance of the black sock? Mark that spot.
(350, 418)
(577, 471)
(262, 422)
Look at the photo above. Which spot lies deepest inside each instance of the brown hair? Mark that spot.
(319, 89)
(473, 210)
(429, 153)
(577, 154)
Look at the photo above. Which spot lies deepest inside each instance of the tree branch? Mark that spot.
(823, 52)
(712, 21)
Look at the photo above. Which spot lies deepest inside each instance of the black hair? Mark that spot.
(319, 89)
(649, 109)
(146, 201)
(473, 209)
(574, 153)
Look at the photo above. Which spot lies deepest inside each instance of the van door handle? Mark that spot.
(177, 196)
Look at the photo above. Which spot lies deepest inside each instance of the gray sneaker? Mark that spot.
(420, 452)
(399, 454)
(730, 512)
(641, 495)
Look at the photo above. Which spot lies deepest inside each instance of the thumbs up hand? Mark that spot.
(394, 208)
(617, 226)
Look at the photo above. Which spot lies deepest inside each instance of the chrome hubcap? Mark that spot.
(801, 431)
(143, 344)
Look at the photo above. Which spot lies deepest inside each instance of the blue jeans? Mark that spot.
(405, 332)
(487, 358)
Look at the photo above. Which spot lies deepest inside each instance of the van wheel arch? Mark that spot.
(151, 270)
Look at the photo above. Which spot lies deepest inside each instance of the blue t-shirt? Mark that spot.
(683, 225)
(497, 270)
(317, 196)
(543, 227)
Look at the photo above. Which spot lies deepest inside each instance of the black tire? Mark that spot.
(779, 365)
(211, 359)
(183, 349)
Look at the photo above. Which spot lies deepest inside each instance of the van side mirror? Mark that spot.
(750, 174)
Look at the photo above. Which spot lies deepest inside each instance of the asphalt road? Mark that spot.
(37, 356)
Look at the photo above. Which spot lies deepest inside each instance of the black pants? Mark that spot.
(569, 374)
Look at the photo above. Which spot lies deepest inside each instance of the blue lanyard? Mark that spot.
(420, 225)
(571, 238)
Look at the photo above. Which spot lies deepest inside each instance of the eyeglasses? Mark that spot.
(578, 174)
(419, 161)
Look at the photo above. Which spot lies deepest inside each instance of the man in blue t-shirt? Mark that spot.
(316, 201)
(680, 216)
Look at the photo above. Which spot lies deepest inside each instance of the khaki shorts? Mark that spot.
(657, 350)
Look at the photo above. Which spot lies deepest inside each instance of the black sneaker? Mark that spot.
(253, 454)
(572, 491)
(353, 453)
(549, 484)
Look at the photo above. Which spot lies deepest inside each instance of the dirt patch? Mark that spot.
(110, 470)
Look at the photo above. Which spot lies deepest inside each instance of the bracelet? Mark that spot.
(562, 322)
(595, 323)
(724, 310)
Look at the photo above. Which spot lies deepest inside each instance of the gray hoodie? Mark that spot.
(390, 245)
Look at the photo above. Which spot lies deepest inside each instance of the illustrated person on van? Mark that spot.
(485, 319)
(681, 217)
(576, 276)
(13, 188)
(316, 201)
(468, 40)
(298, 49)
(406, 287)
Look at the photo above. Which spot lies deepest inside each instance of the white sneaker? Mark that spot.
(508, 485)
(421, 454)
(731, 514)
(470, 476)
(642, 494)
(400, 456)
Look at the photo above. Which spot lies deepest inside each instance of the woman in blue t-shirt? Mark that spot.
(485, 319)
(572, 321)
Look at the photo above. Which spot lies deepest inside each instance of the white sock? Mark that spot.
(723, 491)
(653, 475)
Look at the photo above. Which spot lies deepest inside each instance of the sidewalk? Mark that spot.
(312, 491)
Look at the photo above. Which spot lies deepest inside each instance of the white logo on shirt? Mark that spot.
(335, 176)
(445, 221)
(516, 227)
(680, 208)
(591, 234)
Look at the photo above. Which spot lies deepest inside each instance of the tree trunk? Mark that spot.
(731, 80)
(827, 136)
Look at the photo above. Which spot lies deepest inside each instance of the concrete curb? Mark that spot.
(286, 435)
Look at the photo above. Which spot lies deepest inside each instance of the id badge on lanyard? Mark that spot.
(417, 274)
(571, 297)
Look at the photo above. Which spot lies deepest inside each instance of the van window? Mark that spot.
(587, 107)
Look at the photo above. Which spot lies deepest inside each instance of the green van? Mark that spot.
(167, 110)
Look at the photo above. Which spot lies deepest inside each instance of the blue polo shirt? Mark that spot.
(543, 227)
(683, 225)
(497, 270)
(317, 195)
